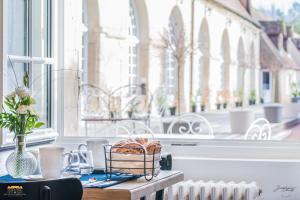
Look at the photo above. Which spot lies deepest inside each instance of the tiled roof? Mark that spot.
(269, 54)
(236, 7)
(273, 59)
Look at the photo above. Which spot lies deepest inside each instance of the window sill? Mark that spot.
(218, 149)
(30, 144)
(43, 136)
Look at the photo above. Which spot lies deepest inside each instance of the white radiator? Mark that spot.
(199, 190)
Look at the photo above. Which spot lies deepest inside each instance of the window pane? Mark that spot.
(40, 87)
(17, 27)
(41, 28)
(15, 75)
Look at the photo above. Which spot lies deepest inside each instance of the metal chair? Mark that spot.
(134, 127)
(190, 123)
(260, 129)
(61, 189)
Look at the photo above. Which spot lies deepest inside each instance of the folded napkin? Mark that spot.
(100, 180)
(10, 179)
(88, 181)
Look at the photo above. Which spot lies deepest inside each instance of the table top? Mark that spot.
(135, 189)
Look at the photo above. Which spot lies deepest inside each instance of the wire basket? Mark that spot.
(142, 164)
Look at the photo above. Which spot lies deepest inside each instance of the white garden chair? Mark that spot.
(191, 123)
(133, 127)
(260, 129)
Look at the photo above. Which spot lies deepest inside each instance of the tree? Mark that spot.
(174, 43)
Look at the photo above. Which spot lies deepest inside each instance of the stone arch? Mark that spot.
(142, 17)
(241, 62)
(226, 60)
(204, 57)
(174, 65)
(202, 65)
(252, 66)
(92, 13)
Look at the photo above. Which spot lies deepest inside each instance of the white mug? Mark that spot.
(51, 161)
(97, 148)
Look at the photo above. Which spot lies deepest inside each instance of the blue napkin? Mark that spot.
(100, 180)
(10, 179)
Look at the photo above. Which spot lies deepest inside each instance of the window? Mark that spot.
(133, 47)
(266, 80)
(171, 63)
(84, 64)
(29, 49)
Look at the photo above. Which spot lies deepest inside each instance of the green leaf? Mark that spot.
(39, 124)
(26, 80)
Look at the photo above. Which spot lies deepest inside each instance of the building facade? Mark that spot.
(217, 56)
(221, 62)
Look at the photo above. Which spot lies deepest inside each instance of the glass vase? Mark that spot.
(21, 162)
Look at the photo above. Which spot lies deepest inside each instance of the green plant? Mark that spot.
(161, 100)
(241, 95)
(193, 101)
(295, 90)
(20, 118)
(132, 107)
(253, 95)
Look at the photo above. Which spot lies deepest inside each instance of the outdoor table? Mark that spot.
(135, 189)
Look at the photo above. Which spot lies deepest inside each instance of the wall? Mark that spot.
(268, 174)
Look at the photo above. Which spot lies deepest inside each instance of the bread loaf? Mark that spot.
(153, 147)
(137, 146)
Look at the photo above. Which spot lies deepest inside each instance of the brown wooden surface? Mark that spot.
(135, 189)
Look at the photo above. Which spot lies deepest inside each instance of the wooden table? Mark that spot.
(135, 189)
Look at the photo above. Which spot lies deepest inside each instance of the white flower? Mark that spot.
(24, 109)
(22, 92)
(11, 95)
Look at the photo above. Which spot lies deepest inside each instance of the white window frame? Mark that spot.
(133, 56)
(41, 134)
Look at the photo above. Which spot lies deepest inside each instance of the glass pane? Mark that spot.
(41, 28)
(15, 75)
(17, 27)
(40, 87)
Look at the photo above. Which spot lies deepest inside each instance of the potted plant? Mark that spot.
(241, 97)
(19, 117)
(172, 105)
(132, 108)
(219, 100)
(295, 93)
(226, 97)
(113, 107)
(238, 95)
(161, 102)
(252, 98)
(203, 107)
(195, 98)
(204, 100)
(193, 105)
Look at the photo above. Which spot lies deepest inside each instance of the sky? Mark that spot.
(283, 4)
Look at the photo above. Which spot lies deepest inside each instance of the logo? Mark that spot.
(284, 191)
(15, 191)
